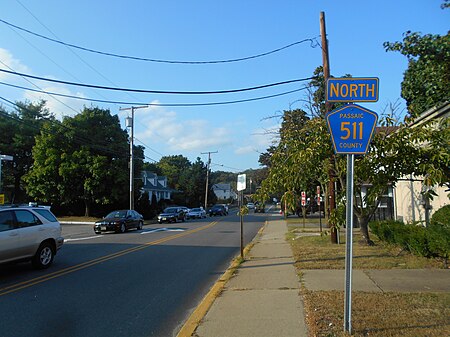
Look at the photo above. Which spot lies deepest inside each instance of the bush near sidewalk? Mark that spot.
(430, 242)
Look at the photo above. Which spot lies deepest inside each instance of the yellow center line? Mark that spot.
(68, 270)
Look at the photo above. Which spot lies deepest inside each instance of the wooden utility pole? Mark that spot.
(207, 177)
(326, 75)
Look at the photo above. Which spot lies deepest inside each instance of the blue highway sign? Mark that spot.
(352, 89)
(351, 128)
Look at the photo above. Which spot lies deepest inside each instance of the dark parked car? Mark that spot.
(217, 210)
(260, 208)
(119, 221)
(172, 214)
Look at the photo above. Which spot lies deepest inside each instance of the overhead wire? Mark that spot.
(105, 148)
(155, 104)
(216, 92)
(70, 49)
(35, 85)
(313, 41)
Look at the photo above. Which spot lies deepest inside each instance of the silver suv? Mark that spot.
(29, 233)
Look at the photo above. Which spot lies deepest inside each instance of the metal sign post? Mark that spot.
(303, 207)
(351, 128)
(320, 211)
(349, 245)
(241, 186)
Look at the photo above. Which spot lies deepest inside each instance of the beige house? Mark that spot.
(409, 205)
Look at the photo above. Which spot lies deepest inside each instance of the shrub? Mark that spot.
(441, 217)
(428, 242)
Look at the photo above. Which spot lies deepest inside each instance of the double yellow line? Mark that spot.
(44, 278)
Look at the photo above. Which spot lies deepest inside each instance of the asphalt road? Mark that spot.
(140, 283)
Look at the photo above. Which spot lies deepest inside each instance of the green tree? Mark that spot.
(195, 184)
(426, 82)
(19, 129)
(174, 168)
(302, 158)
(82, 159)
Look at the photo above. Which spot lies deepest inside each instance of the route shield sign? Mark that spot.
(351, 128)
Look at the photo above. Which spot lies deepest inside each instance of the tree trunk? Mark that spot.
(363, 222)
(87, 208)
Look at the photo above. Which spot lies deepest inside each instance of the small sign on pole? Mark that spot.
(241, 182)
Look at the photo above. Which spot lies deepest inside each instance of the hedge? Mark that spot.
(431, 242)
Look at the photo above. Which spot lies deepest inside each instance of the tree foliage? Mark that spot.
(81, 159)
(19, 129)
(302, 159)
(426, 82)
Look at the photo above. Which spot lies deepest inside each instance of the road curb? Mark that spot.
(191, 324)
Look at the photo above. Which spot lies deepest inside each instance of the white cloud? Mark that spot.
(10, 63)
(158, 125)
(59, 106)
(244, 150)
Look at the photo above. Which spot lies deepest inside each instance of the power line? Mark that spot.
(228, 167)
(73, 52)
(159, 91)
(26, 79)
(313, 43)
(155, 104)
(104, 148)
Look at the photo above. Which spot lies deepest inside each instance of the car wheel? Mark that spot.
(123, 228)
(44, 256)
(98, 232)
(139, 226)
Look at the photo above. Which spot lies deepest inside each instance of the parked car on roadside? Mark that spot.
(196, 213)
(260, 208)
(172, 214)
(250, 206)
(217, 210)
(226, 208)
(119, 221)
(29, 233)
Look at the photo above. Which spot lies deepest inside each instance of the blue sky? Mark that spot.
(200, 30)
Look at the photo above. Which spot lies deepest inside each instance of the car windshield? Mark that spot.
(170, 210)
(117, 214)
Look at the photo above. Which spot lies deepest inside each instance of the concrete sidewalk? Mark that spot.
(263, 297)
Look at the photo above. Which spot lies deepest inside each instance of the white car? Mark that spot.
(196, 213)
(251, 205)
(29, 233)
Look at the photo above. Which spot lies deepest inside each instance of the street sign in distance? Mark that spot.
(352, 89)
(241, 182)
(351, 128)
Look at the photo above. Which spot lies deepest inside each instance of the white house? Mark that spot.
(223, 191)
(155, 185)
(410, 206)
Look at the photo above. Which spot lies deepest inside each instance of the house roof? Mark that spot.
(149, 186)
(221, 187)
